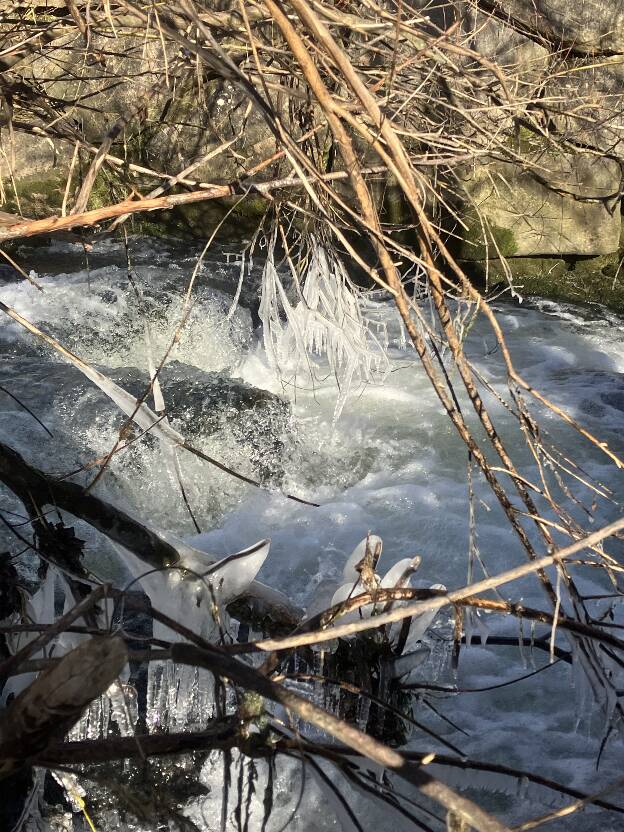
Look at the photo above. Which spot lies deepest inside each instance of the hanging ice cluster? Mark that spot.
(195, 593)
(325, 319)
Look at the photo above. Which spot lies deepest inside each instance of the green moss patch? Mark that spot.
(480, 242)
(39, 196)
(575, 280)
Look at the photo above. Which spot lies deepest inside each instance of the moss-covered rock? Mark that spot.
(481, 242)
(38, 195)
(238, 219)
(395, 209)
(41, 195)
(576, 280)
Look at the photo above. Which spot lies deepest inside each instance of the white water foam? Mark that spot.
(392, 464)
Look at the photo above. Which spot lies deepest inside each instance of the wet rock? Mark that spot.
(198, 400)
(589, 27)
(8, 274)
(108, 296)
(614, 398)
(206, 402)
(200, 404)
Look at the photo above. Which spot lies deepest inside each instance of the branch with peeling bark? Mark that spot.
(55, 701)
(50, 225)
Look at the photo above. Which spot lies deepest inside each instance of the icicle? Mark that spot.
(523, 657)
(484, 630)
(67, 641)
(239, 288)
(350, 590)
(469, 616)
(40, 607)
(405, 664)
(327, 321)
(582, 686)
(419, 626)
(123, 707)
(39, 610)
(156, 693)
(181, 696)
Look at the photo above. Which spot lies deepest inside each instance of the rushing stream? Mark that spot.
(390, 463)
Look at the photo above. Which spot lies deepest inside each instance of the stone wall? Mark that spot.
(554, 204)
(557, 203)
(163, 127)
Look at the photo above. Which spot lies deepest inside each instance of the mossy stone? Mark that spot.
(38, 196)
(574, 280)
(480, 243)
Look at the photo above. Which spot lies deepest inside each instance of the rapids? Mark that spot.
(391, 463)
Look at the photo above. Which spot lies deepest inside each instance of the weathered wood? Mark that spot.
(49, 225)
(54, 702)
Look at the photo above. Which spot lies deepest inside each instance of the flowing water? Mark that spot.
(391, 463)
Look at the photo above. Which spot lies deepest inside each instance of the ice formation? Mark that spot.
(195, 592)
(39, 609)
(198, 585)
(326, 319)
(397, 576)
(406, 477)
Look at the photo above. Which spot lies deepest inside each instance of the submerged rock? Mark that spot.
(200, 399)
(199, 403)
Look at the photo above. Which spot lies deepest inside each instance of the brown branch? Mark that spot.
(342, 630)
(245, 676)
(220, 736)
(50, 225)
(54, 702)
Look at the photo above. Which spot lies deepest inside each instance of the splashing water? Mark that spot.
(391, 464)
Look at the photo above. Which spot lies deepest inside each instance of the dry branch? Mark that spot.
(245, 676)
(365, 83)
(54, 702)
(419, 607)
